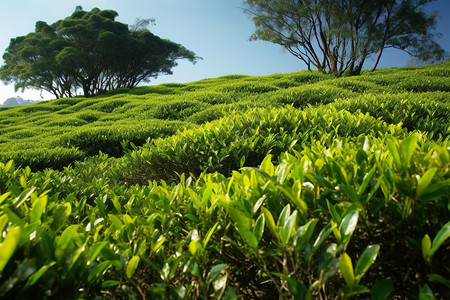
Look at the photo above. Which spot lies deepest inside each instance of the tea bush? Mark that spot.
(341, 194)
(428, 112)
(310, 95)
(110, 140)
(245, 139)
(325, 221)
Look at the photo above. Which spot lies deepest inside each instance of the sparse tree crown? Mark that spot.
(339, 35)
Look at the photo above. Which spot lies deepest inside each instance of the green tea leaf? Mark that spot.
(425, 181)
(323, 235)
(95, 250)
(346, 268)
(382, 289)
(158, 243)
(297, 288)
(247, 236)
(110, 283)
(13, 218)
(350, 192)
(407, 148)
(426, 293)
(4, 196)
(366, 259)
(132, 266)
(287, 230)
(194, 247)
(24, 196)
(38, 208)
(98, 270)
(439, 278)
(366, 181)
(333, 212)
(303, 235)
(392, 146)
(283, 218)
(426, 246)
(267, 165)
(209, 234)
(8, 246)
(65, 239)
(441, 236)
(215, 271)
(436, 190)
(35, 277)
(270, 222)
(348, 225)
(258, 230)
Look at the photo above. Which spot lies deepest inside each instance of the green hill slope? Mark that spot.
(72, 129)
(285, 186)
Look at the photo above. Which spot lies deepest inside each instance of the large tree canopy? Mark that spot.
(89, 51)
(339, 35)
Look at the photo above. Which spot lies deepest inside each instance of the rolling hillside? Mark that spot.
(289, 186)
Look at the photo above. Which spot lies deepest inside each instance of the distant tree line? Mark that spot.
(91, 52)
(14, 101)
(336, 36)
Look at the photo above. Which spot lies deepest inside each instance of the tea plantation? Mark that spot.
(288, 186)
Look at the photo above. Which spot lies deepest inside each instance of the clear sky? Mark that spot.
(216, 30)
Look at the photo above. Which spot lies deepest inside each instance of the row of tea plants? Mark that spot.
(75, 128)
(325, 222)
(320, 199)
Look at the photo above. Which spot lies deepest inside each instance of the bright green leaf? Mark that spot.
(209, 234)
(366, 259)
(267, 165)
(65, 239)
(35, 277)
(110, 283)
(407, 148)
(346, 268)
(287, 230)
(270, 222)
(38, 208)
(132, 266)
(158, 243)
(441, 236)
(426, 293)
(194, 247)
(303, 235)
(348, 225)
(425, 181)
(4, 196)
(426, 246)
(8, 246)
(247, 236)
(258, 230)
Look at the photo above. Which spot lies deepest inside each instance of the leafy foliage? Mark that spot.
(321, 198)
(337, 37)
(89, 51)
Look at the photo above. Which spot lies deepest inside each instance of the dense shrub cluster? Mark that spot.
(291, 186)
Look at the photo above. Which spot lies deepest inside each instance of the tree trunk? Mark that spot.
(378, 59)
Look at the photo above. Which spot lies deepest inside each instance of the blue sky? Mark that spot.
(216, 30)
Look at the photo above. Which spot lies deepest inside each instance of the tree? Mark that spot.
(89, 51)
(336, 36)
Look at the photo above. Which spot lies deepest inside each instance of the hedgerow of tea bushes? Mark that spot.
(206, 100)
(322, 222)
(309, 95)
(244, 140)
(428, 112)
(110, 139)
